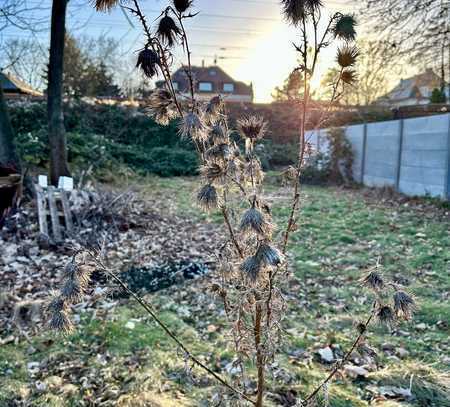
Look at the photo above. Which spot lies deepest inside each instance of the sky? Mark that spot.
(247, 38)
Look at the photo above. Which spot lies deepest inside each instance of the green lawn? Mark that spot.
(341, 234)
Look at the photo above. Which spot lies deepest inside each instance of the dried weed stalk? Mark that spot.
(253, 260)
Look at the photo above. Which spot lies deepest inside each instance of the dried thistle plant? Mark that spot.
(252, 262)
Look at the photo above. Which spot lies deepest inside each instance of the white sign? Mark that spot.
(42, 180)
(65, 183)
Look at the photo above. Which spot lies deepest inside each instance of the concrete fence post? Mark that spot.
(363, 155)
(400, 153)
(447, 177)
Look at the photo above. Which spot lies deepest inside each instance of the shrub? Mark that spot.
(438, 96)
(341, 156)
(316, 170)
(99, 136)
(168, 162)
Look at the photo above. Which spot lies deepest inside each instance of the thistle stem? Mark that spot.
(260, 362)
(149, 309)
(341, 363)
(231, 231)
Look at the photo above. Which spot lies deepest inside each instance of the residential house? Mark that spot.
(13, 87)
(413, 91)
(210, 81)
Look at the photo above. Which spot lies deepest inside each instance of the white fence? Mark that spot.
(411, 155)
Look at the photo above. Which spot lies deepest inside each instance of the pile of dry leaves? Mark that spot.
(135, 233)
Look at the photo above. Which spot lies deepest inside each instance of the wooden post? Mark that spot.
(364, 148)
(67, 213)
(42, 210)
(400, 153)
(54, 214)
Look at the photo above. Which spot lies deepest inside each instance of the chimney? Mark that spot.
(203, 63)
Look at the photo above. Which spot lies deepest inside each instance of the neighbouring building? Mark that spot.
(210, 81)
(413, 91)
(13, 87)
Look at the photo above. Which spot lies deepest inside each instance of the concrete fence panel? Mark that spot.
(382, 153)
(411, 155)
(355, 135)
(424, 159)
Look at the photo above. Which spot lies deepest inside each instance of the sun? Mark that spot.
(269, 60)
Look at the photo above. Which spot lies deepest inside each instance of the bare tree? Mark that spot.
(56, 131)
(27, 60)
(418, 29)
(12, 13)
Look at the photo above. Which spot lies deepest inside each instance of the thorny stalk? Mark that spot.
(338, 366)
(149, 309)
(249, 260)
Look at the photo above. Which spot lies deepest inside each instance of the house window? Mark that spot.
(205, 87)
(212, 72)
(228, 87)
(175, 85)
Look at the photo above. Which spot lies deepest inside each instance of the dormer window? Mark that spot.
(228, 87)
(212, 72)
(205, 86)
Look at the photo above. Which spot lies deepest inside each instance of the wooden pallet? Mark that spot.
(47, 205)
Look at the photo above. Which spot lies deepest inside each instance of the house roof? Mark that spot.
(214, 74)
(417, 87)
(12, 85)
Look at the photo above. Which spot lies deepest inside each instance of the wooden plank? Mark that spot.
(42, 212)
(67, 212)
(54, 214)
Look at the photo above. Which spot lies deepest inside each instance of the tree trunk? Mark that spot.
(56, 130)
(8, 156)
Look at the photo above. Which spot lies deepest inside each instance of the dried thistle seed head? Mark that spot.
(214, 107)
(207, 197)
(347, 56)
(161, 107)
(254, 220)
(148, 61)
(252, 127)
(374, 280)
(182, 5)
(72, 291)
(193, 126)
(59, 316)
(386, 315)
(219, 134)
(349, 77)
(290, 173)
(251, 267)
(60, 321)
(168, 30)
(297, 10)
(81, 274)
(105, 5)
(219, 152)
(344, 27)
(57, 304)
(71, 269)
(214, 172)
(404, 304)
(268, 255)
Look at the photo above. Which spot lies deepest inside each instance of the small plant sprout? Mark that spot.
(253, 261)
